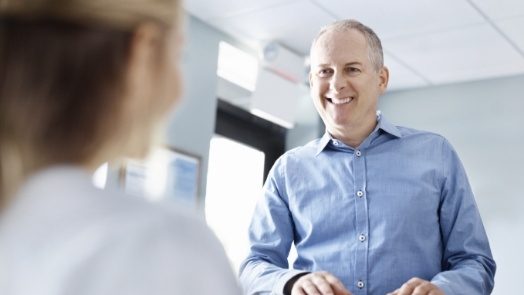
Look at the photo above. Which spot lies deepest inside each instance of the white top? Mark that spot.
(63, 236)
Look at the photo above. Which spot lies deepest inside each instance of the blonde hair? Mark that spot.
(63, 66)
(123, 14)
(375, 52)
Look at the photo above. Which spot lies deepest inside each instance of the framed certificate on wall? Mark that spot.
(166, 174)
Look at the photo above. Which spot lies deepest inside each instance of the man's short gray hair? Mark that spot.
(375, 54)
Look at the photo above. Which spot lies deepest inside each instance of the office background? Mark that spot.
(457, 68)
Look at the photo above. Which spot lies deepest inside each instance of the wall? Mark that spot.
(483, 120)
(308, 125)
(192, 124)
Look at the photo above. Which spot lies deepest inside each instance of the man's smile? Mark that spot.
(339, 101)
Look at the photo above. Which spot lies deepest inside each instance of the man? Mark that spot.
(372, 208)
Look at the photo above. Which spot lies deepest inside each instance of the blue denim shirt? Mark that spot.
(398, 206)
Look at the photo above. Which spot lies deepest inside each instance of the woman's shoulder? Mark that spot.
(61, 219)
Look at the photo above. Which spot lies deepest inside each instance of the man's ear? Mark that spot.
(383, 79)
(310, 77)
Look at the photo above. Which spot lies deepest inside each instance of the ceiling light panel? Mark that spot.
(405, 17)
(469, 53)
(401, 77)
(500, 9)
(513, 28)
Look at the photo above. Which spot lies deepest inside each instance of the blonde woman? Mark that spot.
(83, 82)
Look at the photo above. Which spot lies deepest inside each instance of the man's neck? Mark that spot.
(353, 136)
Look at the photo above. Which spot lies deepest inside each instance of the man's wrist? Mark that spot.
(289, 284)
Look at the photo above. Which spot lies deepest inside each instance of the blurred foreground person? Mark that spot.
(83, 82)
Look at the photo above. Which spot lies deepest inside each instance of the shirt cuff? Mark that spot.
(278, 289)
(443, 284)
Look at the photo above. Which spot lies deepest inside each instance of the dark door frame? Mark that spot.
(242, 126)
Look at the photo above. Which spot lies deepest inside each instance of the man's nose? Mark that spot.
(337, 82)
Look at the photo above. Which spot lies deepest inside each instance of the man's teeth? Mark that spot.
(340, 100)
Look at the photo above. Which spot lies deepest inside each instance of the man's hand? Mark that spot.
(319, 283)
(416, 286)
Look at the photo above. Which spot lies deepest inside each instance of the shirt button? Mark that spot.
(358, 153)
(360, 284)
(335, 142)
(362, 238)
(360, 194)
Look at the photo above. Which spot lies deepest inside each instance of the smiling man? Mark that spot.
(372, 208)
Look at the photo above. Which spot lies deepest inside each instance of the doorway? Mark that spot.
(241, 154)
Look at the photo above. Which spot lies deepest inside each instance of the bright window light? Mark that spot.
(234, 182)
(100, 176)
(237, 66)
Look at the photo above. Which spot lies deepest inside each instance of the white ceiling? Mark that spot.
(426, 42)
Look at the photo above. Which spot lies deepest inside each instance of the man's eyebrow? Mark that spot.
(353, 63)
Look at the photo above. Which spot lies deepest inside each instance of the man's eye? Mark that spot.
(353, 70)
(324, 72)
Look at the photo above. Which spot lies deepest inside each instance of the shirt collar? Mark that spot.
(383, 124)
(324, 140)
(386, 126)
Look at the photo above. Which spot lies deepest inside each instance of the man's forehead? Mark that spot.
(349, 44)
(340, 37)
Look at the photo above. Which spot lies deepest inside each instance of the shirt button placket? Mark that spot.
(361, 218)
